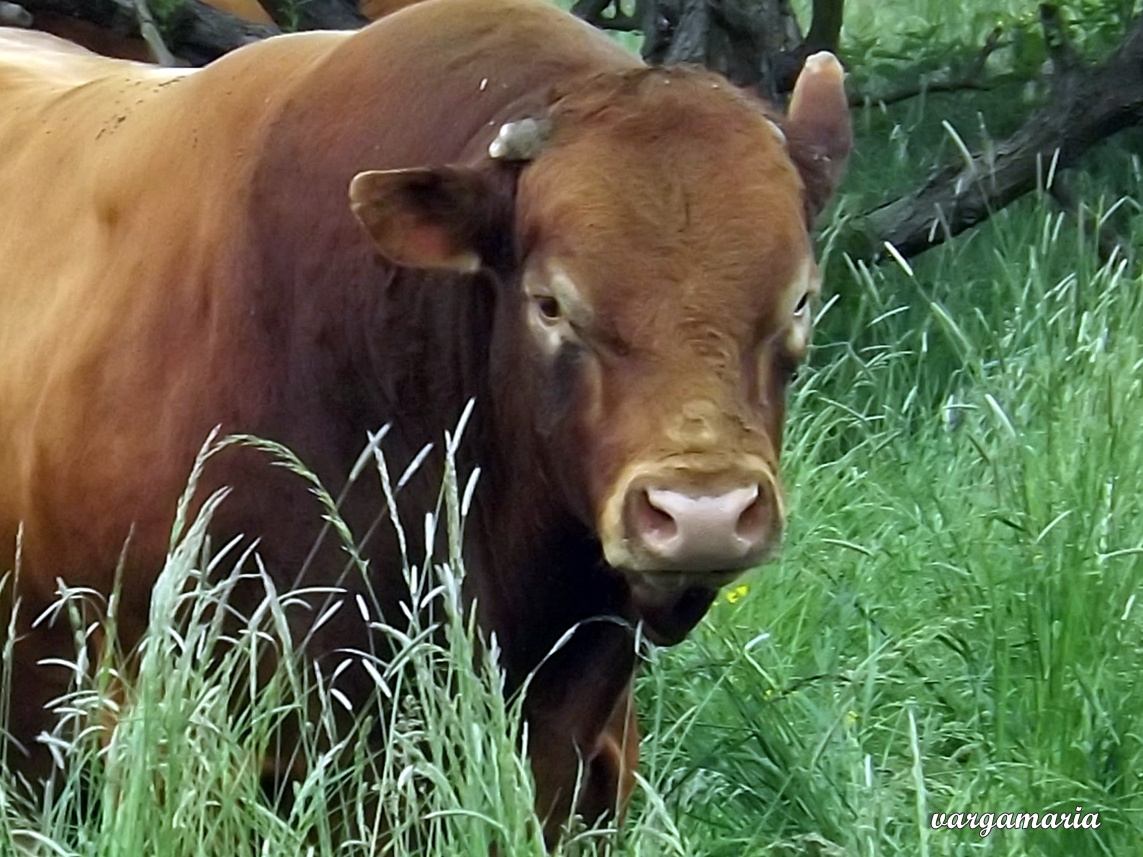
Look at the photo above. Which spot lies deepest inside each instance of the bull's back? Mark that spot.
(140, 205)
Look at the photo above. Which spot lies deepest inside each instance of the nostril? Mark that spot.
(754, 523)
(677, 530)
(651, 520)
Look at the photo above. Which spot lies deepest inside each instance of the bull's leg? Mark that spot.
(609, 775)
(583, 738)
(589, 778)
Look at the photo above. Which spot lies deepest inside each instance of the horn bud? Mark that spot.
(522, 140)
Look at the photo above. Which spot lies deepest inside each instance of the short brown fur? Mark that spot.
(177, 252)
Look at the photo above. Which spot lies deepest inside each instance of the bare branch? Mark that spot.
(150, 34)
(199, 33)
(590, 10)
(114, 16)
(912, 90)
(972, 78)
(1091, 104)
(825, 26)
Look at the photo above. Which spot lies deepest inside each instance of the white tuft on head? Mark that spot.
(520, 141)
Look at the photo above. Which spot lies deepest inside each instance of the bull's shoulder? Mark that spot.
(45, 79)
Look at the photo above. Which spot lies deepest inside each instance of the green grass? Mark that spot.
(181, 774)
(953, 625)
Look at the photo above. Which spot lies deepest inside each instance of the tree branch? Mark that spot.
(825, 26)
(1089, 105)
(150, 34)
(199, 33)
(753, 44)
(972, 78)
(114, 16)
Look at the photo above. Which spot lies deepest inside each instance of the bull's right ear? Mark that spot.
(439, 217)
(818, 128)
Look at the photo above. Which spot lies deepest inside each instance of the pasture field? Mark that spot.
(953, 626)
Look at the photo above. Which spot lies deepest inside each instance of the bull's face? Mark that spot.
(662, 283)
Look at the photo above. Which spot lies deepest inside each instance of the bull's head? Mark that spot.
(661, 281)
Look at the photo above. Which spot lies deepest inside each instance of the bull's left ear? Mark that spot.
(818, 128)
(438, 217)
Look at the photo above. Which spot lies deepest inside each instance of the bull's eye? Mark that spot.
(800, 309)
(548, 307)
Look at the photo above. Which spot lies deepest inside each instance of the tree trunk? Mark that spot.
(755, 43)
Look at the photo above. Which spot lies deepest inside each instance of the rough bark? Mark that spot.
(314, 14)
(754, 43)
(825, 26)
(198, 33)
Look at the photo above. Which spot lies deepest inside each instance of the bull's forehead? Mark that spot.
(675, 205)
(708, 265)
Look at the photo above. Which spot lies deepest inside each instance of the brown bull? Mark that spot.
(612, 260)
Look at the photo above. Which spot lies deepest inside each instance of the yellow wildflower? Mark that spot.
(737, 593)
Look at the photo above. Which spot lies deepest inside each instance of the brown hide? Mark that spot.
(177, 251)
(248, 10)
